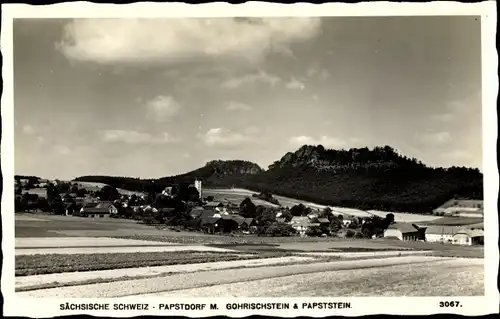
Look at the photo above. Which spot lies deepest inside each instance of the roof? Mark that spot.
(442, 230)
(404, 228)
(96, 210)
(203, 213)
(471, 232)
(213, 204)
(167, 210)
(476, 226)
(104, 204)
(209, 220)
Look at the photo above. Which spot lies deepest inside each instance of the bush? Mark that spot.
(280, 230)
(350, 233)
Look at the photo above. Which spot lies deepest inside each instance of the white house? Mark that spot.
(301, 224)
(469, 237)
(441, 234)
(403, 231)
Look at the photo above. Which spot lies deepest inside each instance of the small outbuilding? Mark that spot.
(469, 237)
(404, 231)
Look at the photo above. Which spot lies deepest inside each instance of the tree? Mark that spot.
(286, 215)
(335, 224)
(81, 192)
(108, 193)
(247, 208)
(54, 200)
(280, 230)
(298, 210)
(315, 231)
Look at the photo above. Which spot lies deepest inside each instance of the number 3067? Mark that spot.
(449, 304)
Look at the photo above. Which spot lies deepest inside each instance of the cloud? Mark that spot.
(162, 108)
(237, 106)
(28, 129)
(218, 137)
(322, 74)
(163, 39)
(326, 141)
(445, 117)
(434, 138)
(295, 84)
(135, 138)
(62, 149)
(260, 76)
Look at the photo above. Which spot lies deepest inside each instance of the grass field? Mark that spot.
(55, 263)
(94, 187)
(237, 195)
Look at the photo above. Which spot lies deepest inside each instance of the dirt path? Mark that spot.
(446, 278)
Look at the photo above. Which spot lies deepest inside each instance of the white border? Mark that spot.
(361, 306)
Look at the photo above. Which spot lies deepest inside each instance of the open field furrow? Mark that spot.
(446, 278)
(95, 250)
(194, 280)
(75, 278)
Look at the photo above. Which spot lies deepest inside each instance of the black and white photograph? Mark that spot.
(249, 156)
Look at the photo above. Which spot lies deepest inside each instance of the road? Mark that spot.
(397, 276)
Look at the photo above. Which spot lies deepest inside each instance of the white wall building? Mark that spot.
(197, 185)
(441, 234)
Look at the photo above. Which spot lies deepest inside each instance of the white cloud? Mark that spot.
(62, 149)
(326, 141)
(163, 40)
(260, 76)
(162, 108)
(136, 138)
(322, 74)
(445, 117)
(295, 84)
(218, 137)
(237, 106)
(28, 129)
(434, 138)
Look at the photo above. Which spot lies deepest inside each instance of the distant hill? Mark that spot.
(379, 179)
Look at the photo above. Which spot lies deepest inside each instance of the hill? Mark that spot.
(379, 179)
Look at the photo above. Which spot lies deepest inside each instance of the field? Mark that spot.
(64, 256)
(237, 195)
(94, 187)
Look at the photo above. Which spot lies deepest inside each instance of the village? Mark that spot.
(191, 208)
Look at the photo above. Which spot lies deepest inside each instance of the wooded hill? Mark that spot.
(379, 178)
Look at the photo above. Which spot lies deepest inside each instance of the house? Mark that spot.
(469, 237)
(213, 205)
(404, 231)
(203, 213)
(301, 224)
(166, 211)
(441, 233)
(101, 210)
(210, 224)
(323, 221)
(70, 208)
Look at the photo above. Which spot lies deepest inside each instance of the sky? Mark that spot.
(158, 97)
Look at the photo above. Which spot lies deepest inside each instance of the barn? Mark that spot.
(404, 231)
(469, 237)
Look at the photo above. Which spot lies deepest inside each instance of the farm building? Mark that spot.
(404, 231)
(469, 237)
(440, 233)
(213, 205)
(101, 210)
(302, 224)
